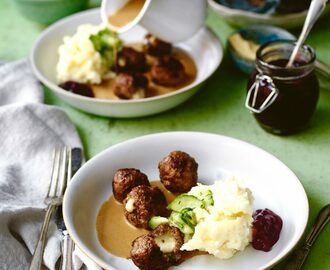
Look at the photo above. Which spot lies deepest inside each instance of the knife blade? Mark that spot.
(298, 258)
(67, 244)
(323, 72)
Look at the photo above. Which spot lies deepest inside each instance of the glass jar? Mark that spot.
(283, 99)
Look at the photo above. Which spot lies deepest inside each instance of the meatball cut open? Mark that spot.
(146, 255)
(159, 249)
(178, 172)
(169, 239)
(142, 203)
(130, 86)
(125, 180)
(168, 71)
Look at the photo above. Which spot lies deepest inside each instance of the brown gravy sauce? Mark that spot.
(104, 90)
(115, 233)
(127, 13)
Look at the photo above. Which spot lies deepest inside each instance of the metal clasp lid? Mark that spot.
(263, 81)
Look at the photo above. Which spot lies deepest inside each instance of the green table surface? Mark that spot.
(218, 108)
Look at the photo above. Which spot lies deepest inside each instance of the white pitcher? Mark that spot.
(170, 20)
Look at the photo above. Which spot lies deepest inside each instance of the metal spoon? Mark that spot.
(315, 10)
(300, 255)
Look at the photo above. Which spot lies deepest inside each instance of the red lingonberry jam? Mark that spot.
(266, 229)
(77, 88)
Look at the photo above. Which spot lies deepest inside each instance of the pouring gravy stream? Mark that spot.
(126, 14)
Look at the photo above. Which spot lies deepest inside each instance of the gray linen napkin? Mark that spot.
(29, 131)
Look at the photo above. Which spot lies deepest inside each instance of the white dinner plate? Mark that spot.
(204, 47)
(273, 185)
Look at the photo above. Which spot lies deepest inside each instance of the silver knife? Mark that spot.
(299, 256)
(323, 72)
(67, 244)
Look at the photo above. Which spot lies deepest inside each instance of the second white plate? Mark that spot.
(273, 185)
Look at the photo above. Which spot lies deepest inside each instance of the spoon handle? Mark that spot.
(315, 10)
(299, 256)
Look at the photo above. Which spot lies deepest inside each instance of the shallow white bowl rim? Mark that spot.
(88, 164)
(58, 89)
(233, 11)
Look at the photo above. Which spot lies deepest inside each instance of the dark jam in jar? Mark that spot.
(295, 89)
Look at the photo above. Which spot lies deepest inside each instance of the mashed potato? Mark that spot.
(224, 228)
(78, 60)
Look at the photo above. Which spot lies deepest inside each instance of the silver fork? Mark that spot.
(59, 178)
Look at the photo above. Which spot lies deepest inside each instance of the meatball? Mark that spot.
(129, 86)
(167, 71)
(131, 61)
(157, 47)
(146, 255)
(178, 172)
(142, 203)
(159, 249)
(169, 239)
(125, 180)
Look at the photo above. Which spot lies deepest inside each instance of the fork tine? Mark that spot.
(69, 170)
(59, 173)
(66, 168)
(54, 173)
(61, 185)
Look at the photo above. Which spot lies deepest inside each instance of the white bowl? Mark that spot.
(273, 185)
(204, 48)
(242, 18)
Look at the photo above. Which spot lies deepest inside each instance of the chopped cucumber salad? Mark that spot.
(106, 43)
(184, 207)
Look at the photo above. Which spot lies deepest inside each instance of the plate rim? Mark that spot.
(92, 12)
(245, 13)
(270, 264)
